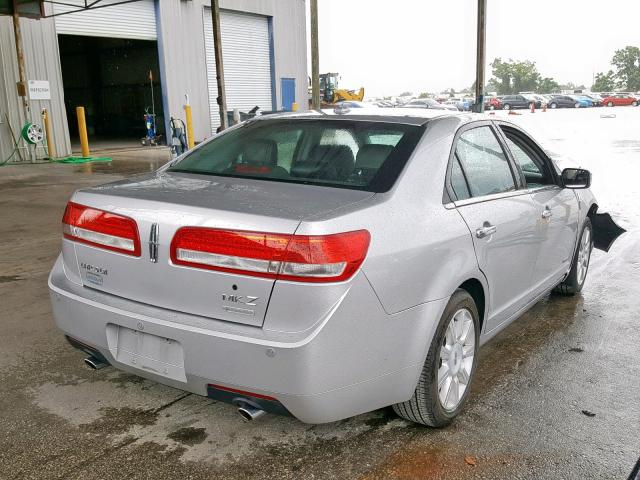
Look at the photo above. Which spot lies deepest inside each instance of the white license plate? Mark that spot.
(154, 354)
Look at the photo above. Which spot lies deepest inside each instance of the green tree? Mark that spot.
(627, 64)
(514, 76)
(547, 85)
(502, 74)
(604, 82)
(406, 94)
(525, 76)
(424, 95)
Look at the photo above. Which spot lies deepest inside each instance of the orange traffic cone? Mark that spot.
(533, 107)
(544, 107)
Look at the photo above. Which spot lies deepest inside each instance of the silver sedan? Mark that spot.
(323, 266)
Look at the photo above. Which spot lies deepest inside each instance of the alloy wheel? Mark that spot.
(457, 355)
(584, 255)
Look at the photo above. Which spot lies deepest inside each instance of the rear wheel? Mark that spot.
(506, 106)
(610, 104)
(577, 275)
(635, 104)
(447, 372)
(553, 105)
(577, 105)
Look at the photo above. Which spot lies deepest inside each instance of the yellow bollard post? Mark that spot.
(82, 131)
(187, 112)
(51, 147)
(294, 107)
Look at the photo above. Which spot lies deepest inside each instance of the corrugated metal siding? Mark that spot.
(42, 62)
(130, 20)
(247, 65)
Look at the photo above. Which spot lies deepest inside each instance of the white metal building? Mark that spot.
(102, 58)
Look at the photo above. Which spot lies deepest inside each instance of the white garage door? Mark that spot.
(247, 62)
(135, 20)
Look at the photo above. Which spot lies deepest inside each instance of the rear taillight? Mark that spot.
(101, 229)
(301, 258)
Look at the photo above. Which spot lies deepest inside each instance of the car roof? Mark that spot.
(407, 116)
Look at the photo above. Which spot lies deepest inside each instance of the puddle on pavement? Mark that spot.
(120, 167)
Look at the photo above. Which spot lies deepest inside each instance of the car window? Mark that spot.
(458, 182)
(286, 143)
(383, 137)
(339, 137)
(339, 153)
(534, 169)
(484, 163)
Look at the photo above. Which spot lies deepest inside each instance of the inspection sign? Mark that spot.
(39, 90)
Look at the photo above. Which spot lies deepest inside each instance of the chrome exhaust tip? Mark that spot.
(94, 363)
(249, 413)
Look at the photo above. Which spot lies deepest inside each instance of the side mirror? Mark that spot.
(576, 178)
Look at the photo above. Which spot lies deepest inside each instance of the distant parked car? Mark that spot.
(533, 99)
(452, 102)
(563, 101)
(428, 103)
(510, 102)
(350, 104)
(492, 103)
(595, 98)
(465, 104)
(619, 99)
(582, 101)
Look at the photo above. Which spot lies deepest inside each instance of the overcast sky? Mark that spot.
(430, 45)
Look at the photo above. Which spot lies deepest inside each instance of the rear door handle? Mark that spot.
(547, 213)
(486, 230)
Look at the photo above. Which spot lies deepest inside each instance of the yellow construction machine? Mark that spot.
(331, 94)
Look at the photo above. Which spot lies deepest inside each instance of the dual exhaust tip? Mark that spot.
(247, 411)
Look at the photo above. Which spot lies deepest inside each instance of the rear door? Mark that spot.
(500, 216)
(556, 208)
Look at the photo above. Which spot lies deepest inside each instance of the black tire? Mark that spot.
(610, 104)
(572, 284)
(506, 106)
(635, 104)
(553, 105)
(424, 406)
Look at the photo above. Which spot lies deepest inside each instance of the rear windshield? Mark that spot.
(358, 155)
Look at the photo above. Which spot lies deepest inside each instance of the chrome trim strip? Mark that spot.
(488, 198)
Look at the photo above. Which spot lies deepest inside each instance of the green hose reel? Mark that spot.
(32, 133)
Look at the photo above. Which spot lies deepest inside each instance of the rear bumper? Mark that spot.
(355, 359)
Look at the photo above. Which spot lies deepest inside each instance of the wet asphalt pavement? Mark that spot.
(556, 395)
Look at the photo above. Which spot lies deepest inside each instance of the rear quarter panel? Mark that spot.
(420, 250)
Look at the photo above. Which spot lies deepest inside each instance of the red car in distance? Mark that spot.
(619, 99)
(492, 103)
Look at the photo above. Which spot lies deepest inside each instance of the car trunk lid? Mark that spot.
(164, 202)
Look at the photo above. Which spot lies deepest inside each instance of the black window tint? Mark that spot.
(339, 153)
(532, 166)
(458, 182)
(484, 163)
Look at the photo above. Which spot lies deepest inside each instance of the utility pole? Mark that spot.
(315, 58)
(480, 55)
(217, 45)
